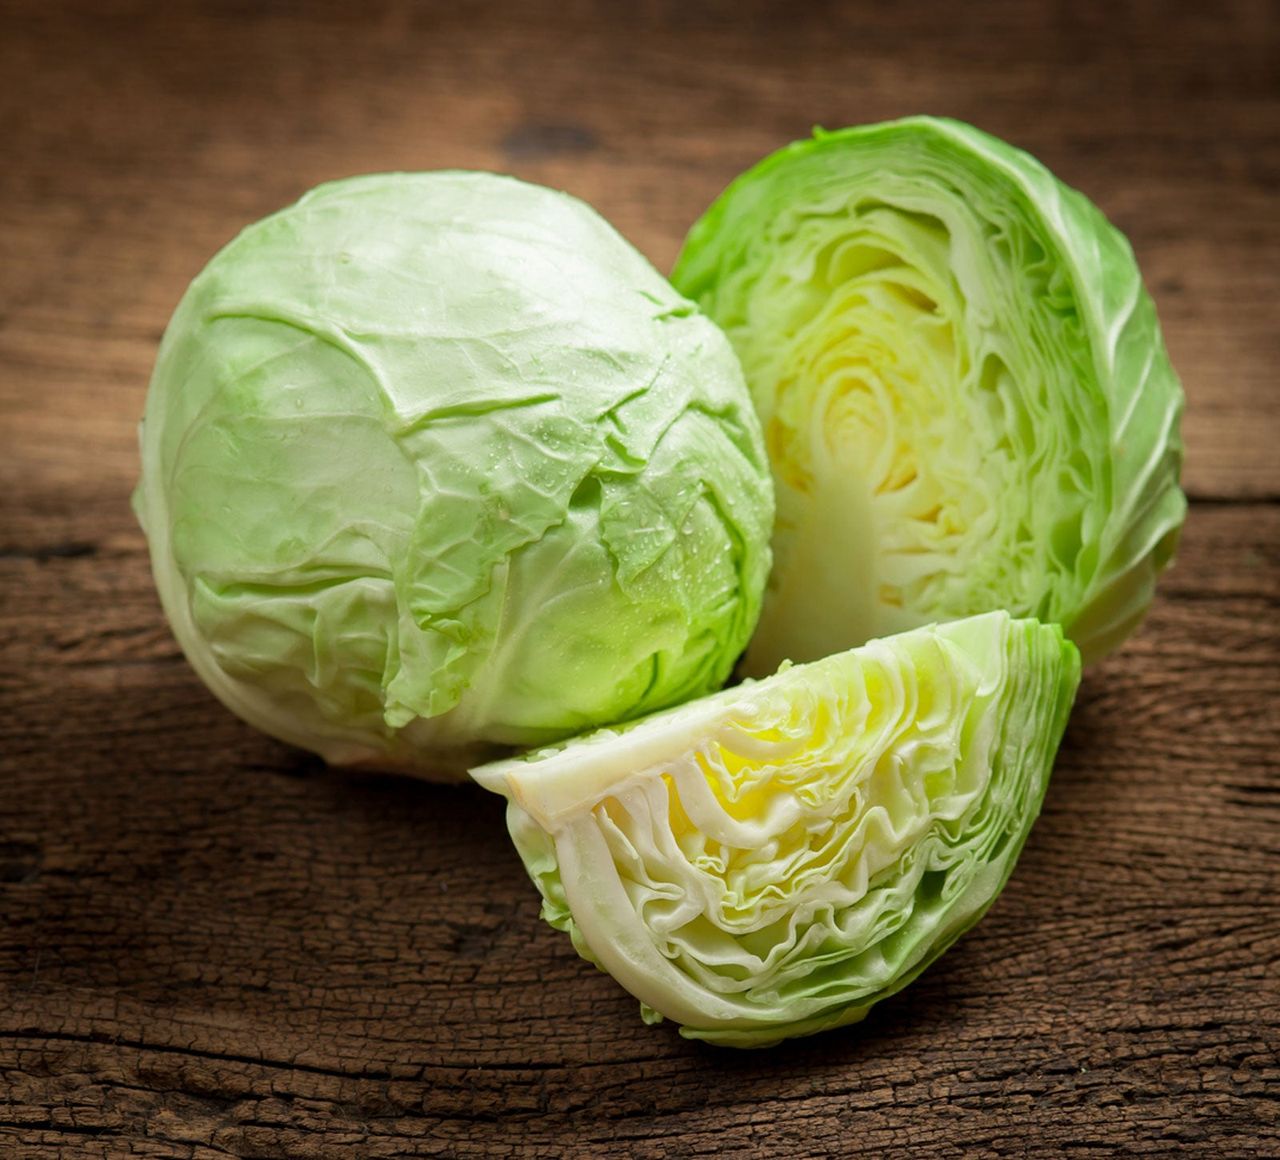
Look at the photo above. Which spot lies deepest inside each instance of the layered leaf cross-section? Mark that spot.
(772, 860)
(966, 398)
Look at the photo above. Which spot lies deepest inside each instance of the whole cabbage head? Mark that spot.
(966, 398)
(437, 462)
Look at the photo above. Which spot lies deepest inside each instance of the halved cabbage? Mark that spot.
(773, 859)
(966, 399)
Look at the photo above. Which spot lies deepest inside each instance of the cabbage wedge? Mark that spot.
(966, 398)
(773, 859)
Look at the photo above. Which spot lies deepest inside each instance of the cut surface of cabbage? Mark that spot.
(966, 399)
(771, 860)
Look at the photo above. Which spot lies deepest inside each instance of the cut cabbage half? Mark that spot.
(773, 859)
(966, 399)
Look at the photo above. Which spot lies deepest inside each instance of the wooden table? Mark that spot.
(211, 946)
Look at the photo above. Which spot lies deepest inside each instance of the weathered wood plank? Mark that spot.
(209, 934)
(211, 946)
(148, 137)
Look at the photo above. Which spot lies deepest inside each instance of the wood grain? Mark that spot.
(212, 946)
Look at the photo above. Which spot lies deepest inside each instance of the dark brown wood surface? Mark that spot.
(211, 946)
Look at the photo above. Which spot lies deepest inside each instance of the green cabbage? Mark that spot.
(773, 859)
(435, 462)
(965, 395)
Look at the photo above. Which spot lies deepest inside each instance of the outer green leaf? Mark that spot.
(965, 394)
(772, 860)
(438, 461)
